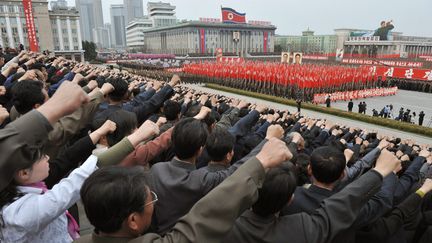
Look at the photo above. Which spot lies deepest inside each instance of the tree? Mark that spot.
(278, 48)
(90, 50)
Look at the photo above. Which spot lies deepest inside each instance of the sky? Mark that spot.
(291, 17)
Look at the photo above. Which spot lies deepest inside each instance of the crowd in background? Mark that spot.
(155, 161)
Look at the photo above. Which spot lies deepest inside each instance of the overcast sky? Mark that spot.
(412, 17)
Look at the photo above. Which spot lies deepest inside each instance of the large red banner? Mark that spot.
(407, 73)
(265, 41)
(202, 40)
(382, 62)
(31, 30)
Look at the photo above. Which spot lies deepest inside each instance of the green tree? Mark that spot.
(90, 50)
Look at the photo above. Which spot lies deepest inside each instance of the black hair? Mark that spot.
(219, 143)
(9, 194)
(171, 110)
(188, 137)
(120, 89)
(193, 110)
(111, 194)
(327, 164)
(125, 121)
(277, 189)
(302, 162)
(26, 94)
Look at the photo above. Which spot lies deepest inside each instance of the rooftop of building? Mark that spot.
(200, 24)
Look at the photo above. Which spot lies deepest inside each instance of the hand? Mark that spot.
(405, 157)
(107, 127)
(174, 80)
(68, 98)
(427, 186)
(242, 104)
(29, 75)
(329, 125)
(203, 99)
(387, 162)
(424, 153)
(2, 90)
(3, 114)
(147, 130)
(157, 85)
(162, 120)
(107, 88)
(274, 131)
(30, 62)
(383, 144)
(203, 113)
(78, 77)
(92, 84)
(261, 108)
(273, 153)
(358, 140)
(348, 154)
(399, 153)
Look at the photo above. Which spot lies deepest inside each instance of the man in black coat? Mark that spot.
(350, 105)
(421, 117)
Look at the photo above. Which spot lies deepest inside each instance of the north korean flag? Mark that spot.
(229, 15)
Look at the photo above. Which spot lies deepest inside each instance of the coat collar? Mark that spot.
(182, 164)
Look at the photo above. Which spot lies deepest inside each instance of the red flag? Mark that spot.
(229, 15)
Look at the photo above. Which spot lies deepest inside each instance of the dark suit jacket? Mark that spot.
(179, 185)
(336, 214)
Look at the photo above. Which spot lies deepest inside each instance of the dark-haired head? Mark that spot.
(220, 145)
(27, 95)
(188, 138)
(120, 89)
(171, 110)
(276, 191)
(327, 164)
(126, 123)
(118, 199)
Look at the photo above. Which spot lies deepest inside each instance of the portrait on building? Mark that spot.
(285, 57)
(297, 58)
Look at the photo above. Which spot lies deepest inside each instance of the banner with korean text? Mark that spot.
(406, 73)
(31, 30)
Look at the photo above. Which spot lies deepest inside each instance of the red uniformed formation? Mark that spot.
(302, 76)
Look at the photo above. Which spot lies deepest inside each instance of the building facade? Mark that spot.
(161, 14)
(307, 43)
(65, 26)
(102, 37)
(196, 37)
(13, 26)
(361, 42)
(134, 9)
(91, 17)
(135, 32)
(118, 25)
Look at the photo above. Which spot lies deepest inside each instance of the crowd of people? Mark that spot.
(284, 80)
(155, 161)
(387, 112)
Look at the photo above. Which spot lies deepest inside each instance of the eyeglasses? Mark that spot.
(155, 199)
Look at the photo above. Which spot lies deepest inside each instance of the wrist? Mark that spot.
(421, 192)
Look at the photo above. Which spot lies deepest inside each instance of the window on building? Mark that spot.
(11, 9)
(65, 39)
(64, 31)
(57, 47)
(66, 47)
(75, 47)
(2, 9)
